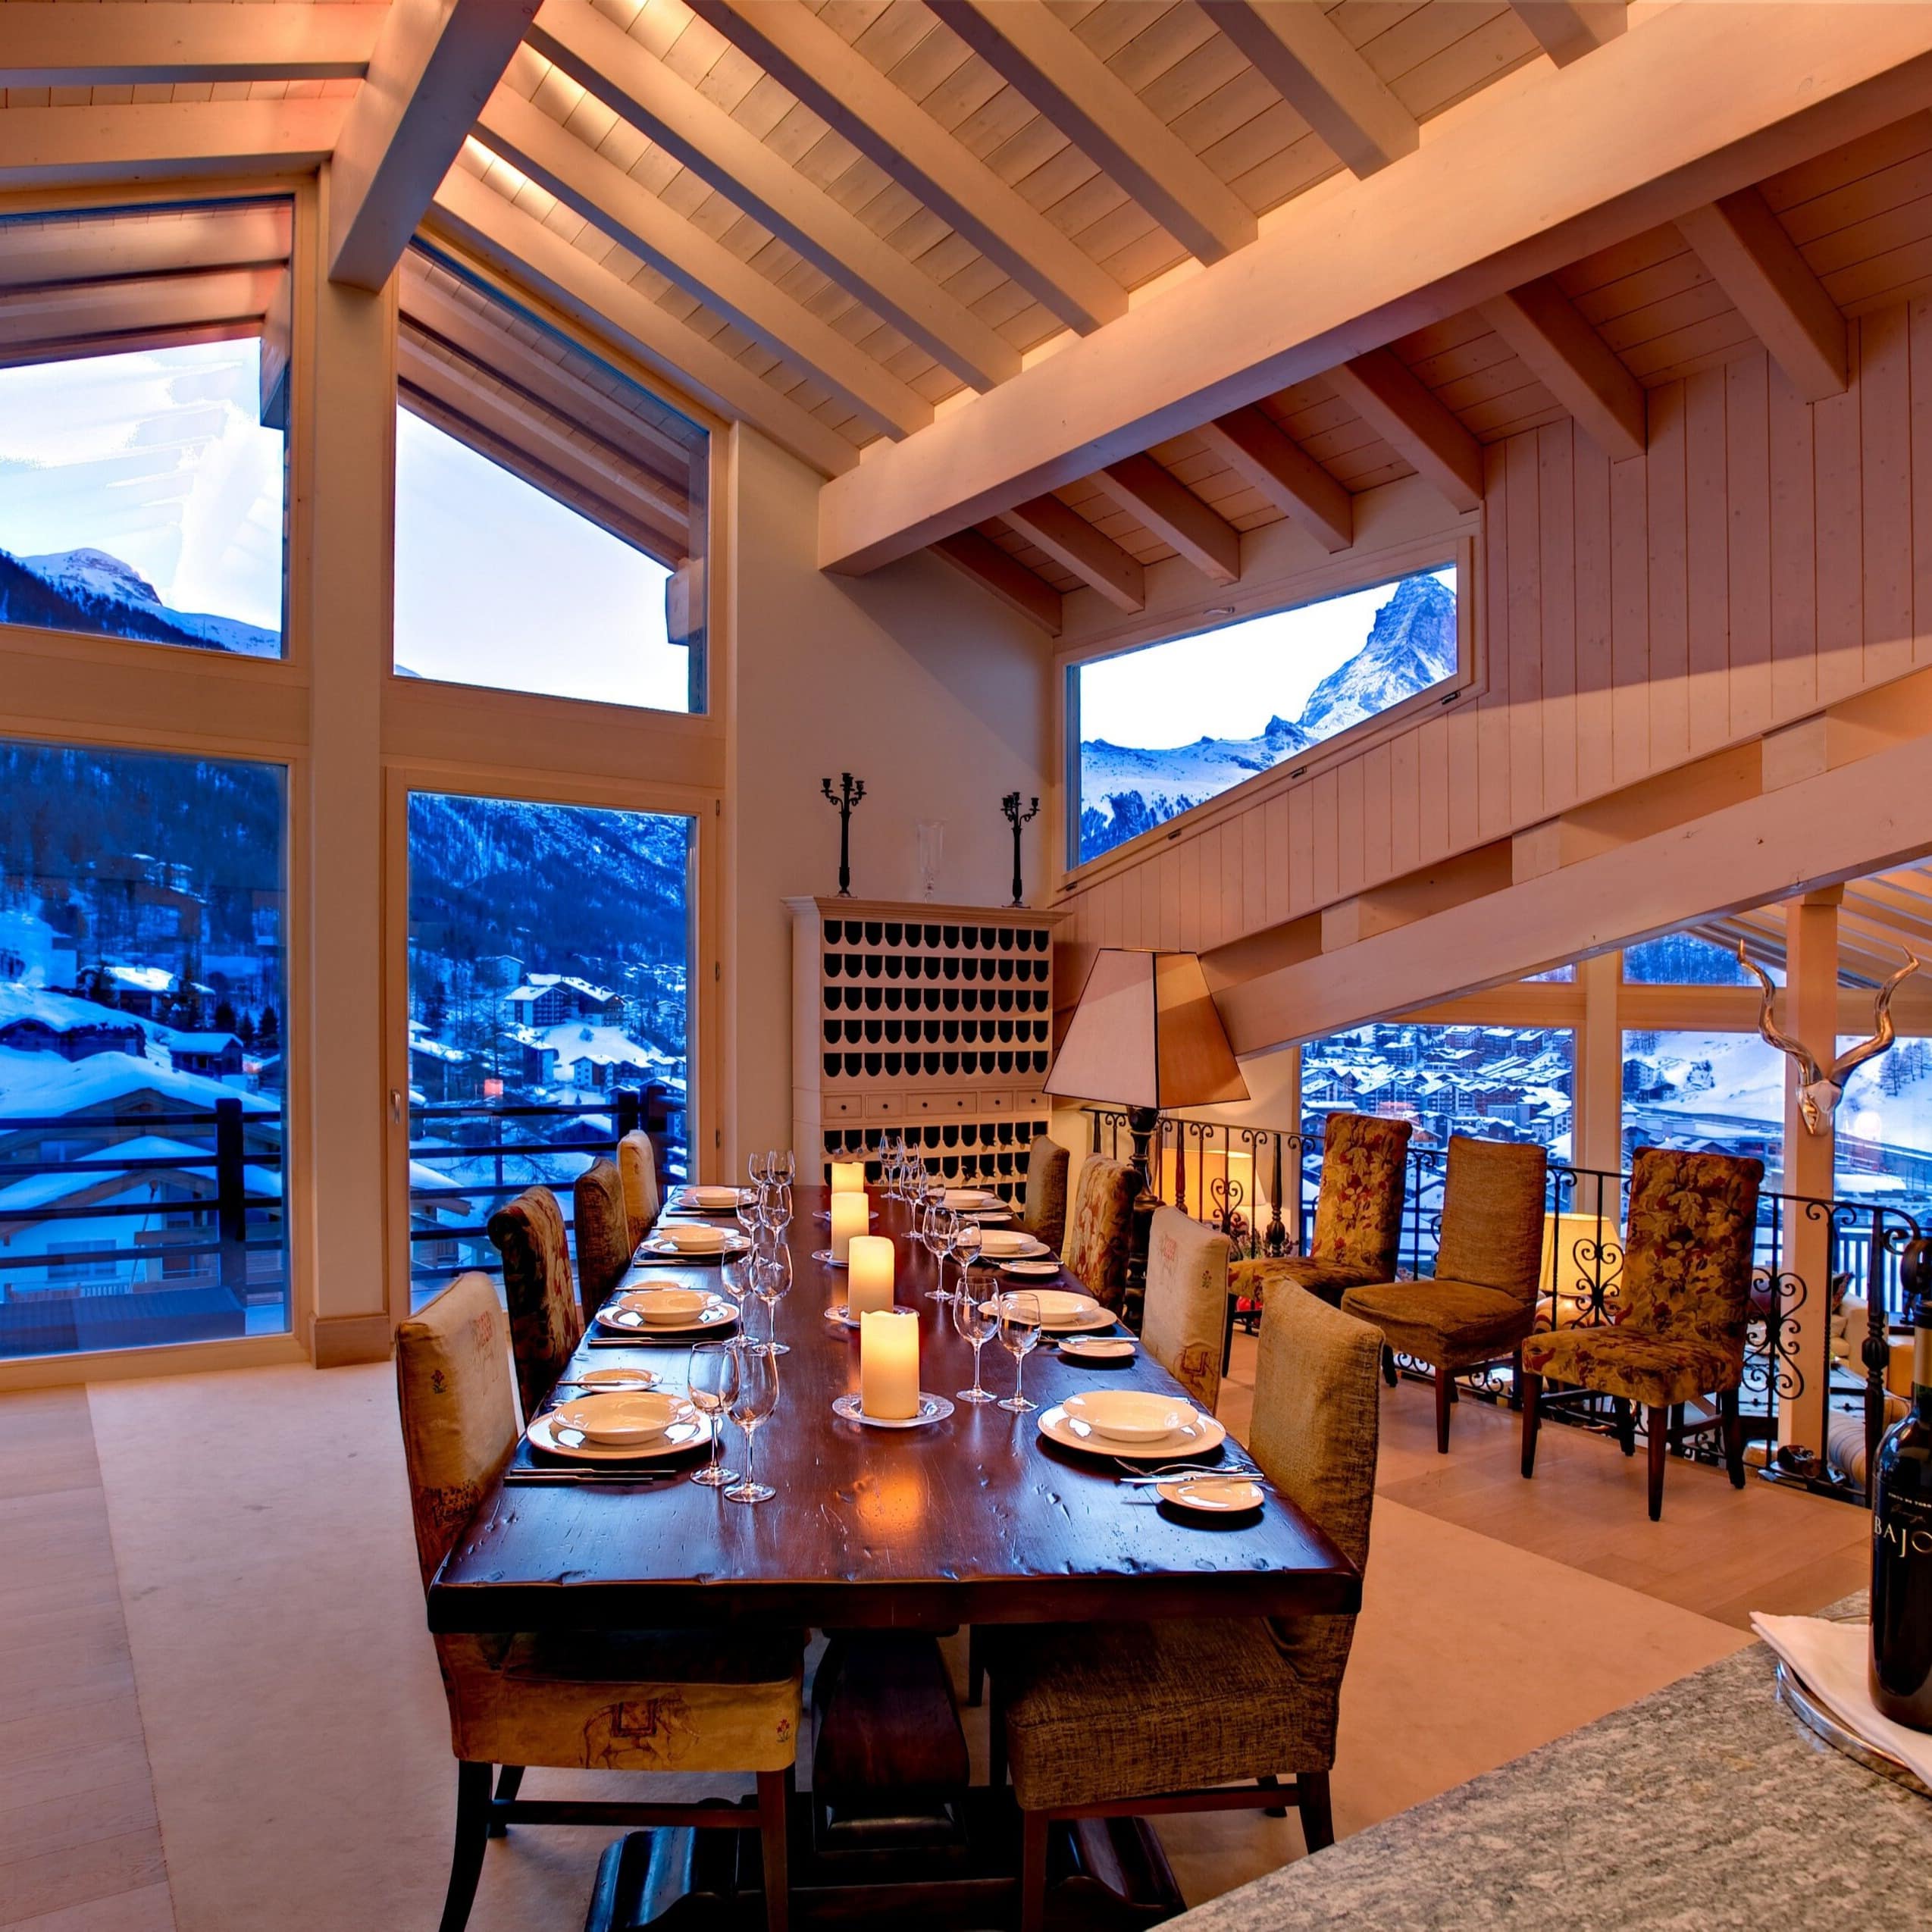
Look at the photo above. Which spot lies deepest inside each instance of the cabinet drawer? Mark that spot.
(999, 1101)
(843, 1106)
(885, 1106)
(941, 1103)
(1033, 1102)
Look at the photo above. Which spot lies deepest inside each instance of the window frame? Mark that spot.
(1354, 571)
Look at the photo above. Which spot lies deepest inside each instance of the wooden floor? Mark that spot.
(81, 1850)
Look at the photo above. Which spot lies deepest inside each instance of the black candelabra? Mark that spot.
(851, 790)
(1009, 805)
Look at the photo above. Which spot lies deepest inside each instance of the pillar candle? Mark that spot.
(889, 1364)
(851, 1214)
(869, 1286)
(848, 1177)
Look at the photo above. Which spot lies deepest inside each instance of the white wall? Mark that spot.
(912, 679)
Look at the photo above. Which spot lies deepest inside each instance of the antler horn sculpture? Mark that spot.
(1819, 1091)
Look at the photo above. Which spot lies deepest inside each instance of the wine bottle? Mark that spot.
(1900, 1674)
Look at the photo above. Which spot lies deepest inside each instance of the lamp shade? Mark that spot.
(1145, 1033)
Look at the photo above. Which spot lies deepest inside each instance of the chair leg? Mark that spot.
(1444, 1388)
(1516, 1376)
(1733, 1437)
(510, 1782)
(1389, 1365)
(975, 1668)
(1269, 1779)
(1228, 1339)
(996, 1744)
(774, 1805)
(1317, 1817)
(1627, 1425)
(1659, 1447)
(472, 1835)
(1033, 1828)
(1533, 1403)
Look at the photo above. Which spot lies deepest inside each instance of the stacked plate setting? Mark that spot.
(667, 1314)
(1136, 1424)
(1062, 1310)
(636, 1426)
(1011, 1245)
(693, 1241)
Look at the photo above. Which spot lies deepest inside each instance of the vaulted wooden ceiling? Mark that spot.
(931, 246)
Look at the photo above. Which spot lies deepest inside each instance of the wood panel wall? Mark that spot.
(1766, 557)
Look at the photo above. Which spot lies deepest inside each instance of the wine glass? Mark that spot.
(771, 1277)
(713, 1381)
(931, 1231)
(976, 1322)
(1020, 1333)
(785, 1167)
(754, 1398)
(734, 1276)
(963, 1236)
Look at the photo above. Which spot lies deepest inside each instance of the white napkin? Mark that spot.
(1831, 1658)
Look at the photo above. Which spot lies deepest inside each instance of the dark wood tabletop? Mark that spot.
(976, 1519)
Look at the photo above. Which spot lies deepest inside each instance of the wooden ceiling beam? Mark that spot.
(1574, 363)
(1005, 576)
(1567, 30)
(526, 252)
(1051, 67)
(1076, 545)
(521, 133)
(1516, 184)
(800, 50)
(1272, 462)
(108, 248)
(114, 45)
(1176, 516)
(638, 88)
(159, 303)
(432, 68)
(1382, 390)
(1756, 263)
(1309, 62)
(163, 141)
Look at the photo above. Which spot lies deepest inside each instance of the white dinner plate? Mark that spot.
(616, 1378)
(707, 1200)
(1096, 1323)
(718, 1316)
(1010, 1245)
(656, 1248)
(1204, 1435)
(615, 1418)
(1098, 1348)
(545, 1434)
(1047, 1270)
(1212, 1496)
(1132, 1416)
(665, 1307)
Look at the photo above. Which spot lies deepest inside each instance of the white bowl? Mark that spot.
(622, 1421)
(690, 1237)
(1129, 1415)
(1006, 1242)
(965, 1197)
(1062, 1304)
(666, 1307)
(712, 1197)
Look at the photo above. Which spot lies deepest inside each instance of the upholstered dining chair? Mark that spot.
(634, 1700)
(1681, 1313)
(545, 1322)
(1101, 1233)
(1137, 1719)
(1358, 1216)
(601, 1222)
(636, 1162)
(1481, 1301)
(1043, 1213)
(1187, 1300)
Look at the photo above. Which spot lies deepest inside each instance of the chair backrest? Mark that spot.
(459, 1427)
(1317, 1391)
(1358, 1213)
(1687, 1247)
(1493, 1198)
(1043, 1212)
(601, 1224)
(1101, 1234)
(1185, 1316)
(636, 1162)
(546, 1323)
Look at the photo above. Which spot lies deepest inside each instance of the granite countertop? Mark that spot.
(1705, 1804)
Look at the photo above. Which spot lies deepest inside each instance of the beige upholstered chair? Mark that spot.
(1101, 1234)
(641, 1700)
(1187, 1301)
(1043, 1212)
(546, 1323)
(1358, 1215)
(1681, 1311)
(1482, 1300)
(601, 1224)
(637, 1161)
(1100, 1721)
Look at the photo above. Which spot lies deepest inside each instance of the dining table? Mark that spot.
(883, 1540)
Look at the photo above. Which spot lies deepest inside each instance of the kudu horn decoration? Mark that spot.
(1819, 1090)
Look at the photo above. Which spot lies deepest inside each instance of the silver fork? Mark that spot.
(1137, 1476)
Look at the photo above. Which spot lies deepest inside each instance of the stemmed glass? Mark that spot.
(963, 1235)
(735, 1275)
(1019, 1332)
(932, 1230)
(713, 1380)
(754, 1398)
(975, 1321)
(771, 1277)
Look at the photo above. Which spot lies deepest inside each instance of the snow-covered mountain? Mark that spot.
(87, 589)
(1125, 789)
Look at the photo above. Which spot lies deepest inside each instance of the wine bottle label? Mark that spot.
(1902, 1525)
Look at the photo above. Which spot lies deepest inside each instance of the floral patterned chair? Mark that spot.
(1358, 1217)
(1043, 1212)
(637, 1161)
(1187, 1300)
(1481, 1301)
(545, 1322)
(601, 1222)
(1101, 1234)
(1679, 1331)
(632, 1700)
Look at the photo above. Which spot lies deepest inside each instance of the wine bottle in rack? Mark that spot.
(1900, 1675)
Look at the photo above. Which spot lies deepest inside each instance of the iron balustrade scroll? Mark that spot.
(1260, 1185)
